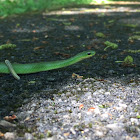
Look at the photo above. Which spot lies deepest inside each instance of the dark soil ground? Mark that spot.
(59, 35)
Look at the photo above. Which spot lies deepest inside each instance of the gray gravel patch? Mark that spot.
(106, 109)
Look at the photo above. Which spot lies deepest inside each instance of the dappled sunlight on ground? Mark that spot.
(90, 10)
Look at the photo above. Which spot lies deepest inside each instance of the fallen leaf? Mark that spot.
(37, 48)
(1, 134)
(101, 80)
(27, 119)
(34, 31)
(1, 36)
(66, 35)
(81, 106)
(62, 54)
(35, 38)
(44, 42)
(76, 75)
(70, 47)
(110, 115)
(91, 109)
(18, 24)
(66, 134)
(56, 53)
(67, 23)
(72, 19)
(89, 47)
(10, 118)
(25, 40)
(104, 56)
(65, 55)
(91, 24)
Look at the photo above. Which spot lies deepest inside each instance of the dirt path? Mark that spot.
(59, 35)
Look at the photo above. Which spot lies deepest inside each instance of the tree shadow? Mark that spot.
(40, 36)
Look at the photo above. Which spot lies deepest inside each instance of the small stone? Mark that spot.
(97, 111)
(28, 136)
(33, 105)
(50, 138)
(114, 126)
(104, 117)
(86, 130)
(10, 136)
(95, 93)
(68, 94)
(29, 112)
(111, 72)
(22, 116)
(51, 79)
(135, 121)
(73, 102)
(107, 93)
(73, 131)
(101, 91)
(99, 133)
(78, 89)
(6, 125)
(121, 107)
(88, 96)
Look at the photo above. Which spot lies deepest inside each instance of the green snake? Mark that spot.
(17, 68)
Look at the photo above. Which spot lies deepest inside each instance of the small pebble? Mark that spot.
(10, 136)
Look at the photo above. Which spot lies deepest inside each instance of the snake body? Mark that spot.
(17, 68)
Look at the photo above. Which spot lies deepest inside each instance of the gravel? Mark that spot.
(90, 109)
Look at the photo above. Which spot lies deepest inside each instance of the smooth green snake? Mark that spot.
(16, 68)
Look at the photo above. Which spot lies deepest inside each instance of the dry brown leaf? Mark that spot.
(10, 118)
(1, 135)
(74, 75)
(37, 48)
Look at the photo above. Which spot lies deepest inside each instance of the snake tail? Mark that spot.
(10, 67)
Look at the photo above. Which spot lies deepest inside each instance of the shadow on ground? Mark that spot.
(56, 35)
